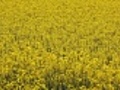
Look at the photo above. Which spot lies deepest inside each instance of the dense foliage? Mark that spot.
(59, 45)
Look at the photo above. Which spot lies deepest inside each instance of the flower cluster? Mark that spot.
(59, 45)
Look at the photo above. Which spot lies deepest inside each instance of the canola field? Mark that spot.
(59, 44)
